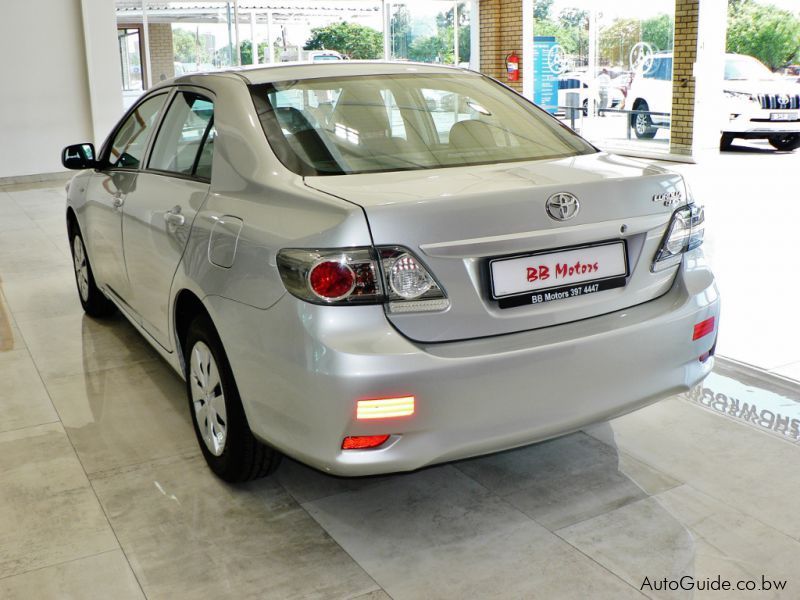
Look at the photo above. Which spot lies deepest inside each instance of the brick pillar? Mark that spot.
(162, 55)
(501, 33)
(683, 84)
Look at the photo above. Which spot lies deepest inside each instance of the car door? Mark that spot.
(158, 214)
(108, 189)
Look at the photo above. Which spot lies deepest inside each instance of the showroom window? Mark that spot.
(161, 40)
(130, 58)
(605, 69)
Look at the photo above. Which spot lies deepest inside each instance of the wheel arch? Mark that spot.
(186, 308)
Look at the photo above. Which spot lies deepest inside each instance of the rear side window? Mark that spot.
(128, 146)
(184, 140)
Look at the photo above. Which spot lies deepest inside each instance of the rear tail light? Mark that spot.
(363, 442)
(331, 280)
(391, 275)
(685, 232)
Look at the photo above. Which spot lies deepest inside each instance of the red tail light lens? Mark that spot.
(362, 442)
(331, 280)
(703, 328)
(361, 275)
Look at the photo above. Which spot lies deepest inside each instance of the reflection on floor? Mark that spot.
(105, 494)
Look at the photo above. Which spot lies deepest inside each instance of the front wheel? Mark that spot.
(228, 445)
(93, 301)
(786, 142)
(725, 141)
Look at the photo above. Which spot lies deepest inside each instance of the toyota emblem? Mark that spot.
(783, 100)
(562, 206)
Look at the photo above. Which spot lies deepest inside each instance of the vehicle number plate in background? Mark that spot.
(547, 276)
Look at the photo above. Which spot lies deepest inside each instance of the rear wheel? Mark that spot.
(642, 123)
(94, 302)
(786, 142)
(228, 445)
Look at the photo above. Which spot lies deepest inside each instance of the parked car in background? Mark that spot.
(756, 103)
(578, 82)
(344, 272)
(760, 105)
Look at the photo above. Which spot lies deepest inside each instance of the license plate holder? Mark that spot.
(518, 281)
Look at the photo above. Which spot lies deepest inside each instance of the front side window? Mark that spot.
(360, 124)
(130, 142)
(183, 139)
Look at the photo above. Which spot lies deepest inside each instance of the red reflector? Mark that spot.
(332, 280)
(703, 328)
(360, 442)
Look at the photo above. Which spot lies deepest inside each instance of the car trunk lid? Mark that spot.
(458, 220)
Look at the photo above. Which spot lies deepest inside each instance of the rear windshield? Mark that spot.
(368, 124)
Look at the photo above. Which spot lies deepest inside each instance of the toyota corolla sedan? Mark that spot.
(350, 272)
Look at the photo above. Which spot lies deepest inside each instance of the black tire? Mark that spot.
(786, 142)
(641, 123)
(241, 457)
(94, 302)
(725, 141)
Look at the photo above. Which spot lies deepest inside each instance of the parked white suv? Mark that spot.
(757, 104)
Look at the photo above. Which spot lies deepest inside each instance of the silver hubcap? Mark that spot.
(641, 123)
(81, 268)
(207, 399)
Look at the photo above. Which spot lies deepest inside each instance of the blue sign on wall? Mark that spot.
(545, 78)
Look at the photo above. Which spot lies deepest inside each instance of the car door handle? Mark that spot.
(174, 216)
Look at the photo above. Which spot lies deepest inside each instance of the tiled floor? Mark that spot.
(104, 494)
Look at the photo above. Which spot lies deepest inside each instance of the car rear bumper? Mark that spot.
(301, 369)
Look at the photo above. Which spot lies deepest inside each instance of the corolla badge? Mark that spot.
(562, 206)
(669, 198)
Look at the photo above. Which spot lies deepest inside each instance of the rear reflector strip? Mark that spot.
(703, 328)
(385, 408)
(362, 442)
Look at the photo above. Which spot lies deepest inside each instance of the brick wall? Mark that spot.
(683, 84)
(162, 61)
(501, 33)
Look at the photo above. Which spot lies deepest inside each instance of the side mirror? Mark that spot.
(79, 156)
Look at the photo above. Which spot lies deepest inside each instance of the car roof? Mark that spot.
(308, 70)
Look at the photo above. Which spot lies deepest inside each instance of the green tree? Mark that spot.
(400, 32)
(187, 48)
(541, 9)
(246, 50)
(765, 31)
(658, 31)
(352, 40)
(434, 48)
(617, 40)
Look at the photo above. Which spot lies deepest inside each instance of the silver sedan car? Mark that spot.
(351, 271)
